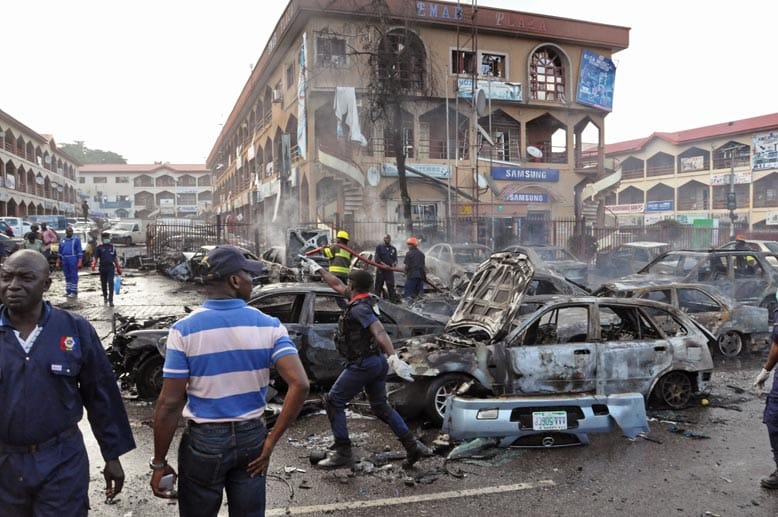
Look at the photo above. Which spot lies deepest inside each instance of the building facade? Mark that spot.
(36, 178)
(147, 191)
(498, 115)
(706, 173)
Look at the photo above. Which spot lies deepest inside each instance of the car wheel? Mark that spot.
(438, 392)
(770, 304)
(730, 344)
(675, 390)
(148, 377)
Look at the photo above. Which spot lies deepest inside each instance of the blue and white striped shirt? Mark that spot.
(225, 348)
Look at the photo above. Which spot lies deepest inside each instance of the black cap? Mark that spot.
(224, 261)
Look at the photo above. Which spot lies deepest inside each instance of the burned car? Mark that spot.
(502, 342)
(454, 264)
(628, 258)
(310, 312)
(734, 324)
(746, 276)
(194, 262)
(557, 259)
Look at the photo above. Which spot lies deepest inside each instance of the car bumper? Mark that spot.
(510, 419)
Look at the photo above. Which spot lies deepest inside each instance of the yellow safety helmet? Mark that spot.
(342, 234)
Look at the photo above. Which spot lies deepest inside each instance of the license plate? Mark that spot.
(549, 420)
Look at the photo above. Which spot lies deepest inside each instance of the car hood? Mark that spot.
(494, 294)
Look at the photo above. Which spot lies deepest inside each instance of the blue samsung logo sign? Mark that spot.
(525, 174)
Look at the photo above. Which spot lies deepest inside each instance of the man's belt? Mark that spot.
(6, 448)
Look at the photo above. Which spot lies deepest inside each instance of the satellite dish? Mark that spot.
(373, 177)
(479, 102)
(534, 152)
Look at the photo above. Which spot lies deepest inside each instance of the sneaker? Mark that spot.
(770, 481)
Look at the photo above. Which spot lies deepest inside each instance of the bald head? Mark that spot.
(31, 259)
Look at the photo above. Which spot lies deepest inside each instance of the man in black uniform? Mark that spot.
(385, 254)
(361, 339)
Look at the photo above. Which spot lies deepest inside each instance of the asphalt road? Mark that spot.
(712, 469)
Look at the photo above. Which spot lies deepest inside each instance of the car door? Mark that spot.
(632, 350)
(700, 306)
(555, 352)
(751, 280)
(288, 308)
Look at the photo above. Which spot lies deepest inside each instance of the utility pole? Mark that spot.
(731, 196)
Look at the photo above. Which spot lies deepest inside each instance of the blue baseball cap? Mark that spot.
(227, 260)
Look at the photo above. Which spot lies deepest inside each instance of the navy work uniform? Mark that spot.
(771, 406)
(105, 255)
(45, 383)
(385, 254)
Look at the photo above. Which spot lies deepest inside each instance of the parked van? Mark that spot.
(128, 231)
(19, 226)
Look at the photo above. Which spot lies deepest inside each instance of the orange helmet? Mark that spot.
(412, 241)
(740, 237)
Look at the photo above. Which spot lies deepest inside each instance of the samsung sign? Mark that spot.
(526, 197)
(524, 174)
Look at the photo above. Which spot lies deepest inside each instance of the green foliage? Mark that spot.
(86, 156)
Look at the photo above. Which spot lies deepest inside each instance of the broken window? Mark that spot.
(493, 65)
(401, 61)
(660, 295)
(285, 307)
(462, 62)
(547, 75)
(620, 323)
(559, 325)
(694, 301)
(669, 324)
(330, 50)
(326, 309)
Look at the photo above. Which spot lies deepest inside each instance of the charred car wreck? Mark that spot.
(503, 347)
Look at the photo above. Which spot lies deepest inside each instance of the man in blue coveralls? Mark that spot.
(107, 263)
(70, 257)
(52, 365)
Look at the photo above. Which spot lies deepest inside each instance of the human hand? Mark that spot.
(258, 466)
(119, 269)
(58, 264)
(156, 477)
(79, 264)
(94, 265)
(400, 367)
(114, 478)
(312, 266)
(761, 378)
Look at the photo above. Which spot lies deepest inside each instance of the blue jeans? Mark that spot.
(214, 457)
(368, 374)
(413, 287)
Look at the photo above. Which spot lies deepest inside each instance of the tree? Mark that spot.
(88, 156)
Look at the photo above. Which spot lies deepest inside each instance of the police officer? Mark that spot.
(70, 257)
(108, 263)
(362, 340)
(340, 259)
(385, 254)
(53, 366)
(770, 417)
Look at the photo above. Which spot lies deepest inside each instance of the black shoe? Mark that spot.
(770, 481)
(110, 304)
(340, 457)
(105, 301)
(414, 450)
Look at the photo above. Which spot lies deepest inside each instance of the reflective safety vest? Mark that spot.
(340, 260)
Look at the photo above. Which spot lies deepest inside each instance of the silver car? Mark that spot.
(454, 264)
(505, 343)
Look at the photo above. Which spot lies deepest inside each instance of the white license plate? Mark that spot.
(549, 420)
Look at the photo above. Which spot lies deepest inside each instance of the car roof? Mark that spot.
(645, 244)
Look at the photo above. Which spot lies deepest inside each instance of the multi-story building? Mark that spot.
(144, 191)
(36, 178)
(301, 144)
(699, 173)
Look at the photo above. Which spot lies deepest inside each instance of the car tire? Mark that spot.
(675, 390)
(439, 390)
(730, 343)
(771, 305)
(148, 377)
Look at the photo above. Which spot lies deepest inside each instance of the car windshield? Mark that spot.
(122, 226)
(772, 246)
(468, 255)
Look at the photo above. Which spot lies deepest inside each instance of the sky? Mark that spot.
(155, 80)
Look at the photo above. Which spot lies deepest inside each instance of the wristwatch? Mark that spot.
(157, 466)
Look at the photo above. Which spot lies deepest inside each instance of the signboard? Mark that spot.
(625, 209)
(741, 178)
(430, 169)
(167, 201)
(655, 218)
(659, 206)
(771, 219)
(526, 197)
(596, 81)
(524, 174)
(765, 151)
(692, 163)
(690, 218)
(495, 90)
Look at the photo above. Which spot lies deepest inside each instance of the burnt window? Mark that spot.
(401, 60)
(330, 50)
(462, 62)
(493, 65)
(547, 75)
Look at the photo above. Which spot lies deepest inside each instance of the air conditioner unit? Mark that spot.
(277, 96)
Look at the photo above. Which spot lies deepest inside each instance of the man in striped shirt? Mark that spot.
(217, 369)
